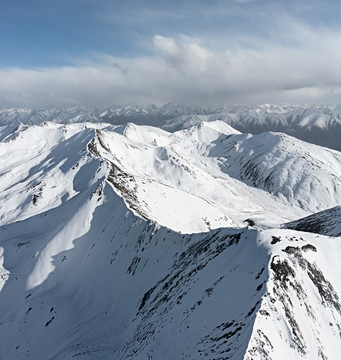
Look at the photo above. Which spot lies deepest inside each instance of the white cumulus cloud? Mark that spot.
(184, 70)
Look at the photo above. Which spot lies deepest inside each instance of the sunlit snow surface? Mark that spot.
(132, 243)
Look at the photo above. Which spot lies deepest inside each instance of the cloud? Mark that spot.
(185, 56)
(305, 68)
(243, 1)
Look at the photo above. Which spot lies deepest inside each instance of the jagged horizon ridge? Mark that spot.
(318, 124)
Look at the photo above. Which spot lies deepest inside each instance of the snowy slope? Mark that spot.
(327, 222)
(296, 172)
(319, 125)
(129, 242)
(299, 316)
(179, 180)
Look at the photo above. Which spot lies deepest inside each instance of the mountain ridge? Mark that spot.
(128, 242)
(319, 124)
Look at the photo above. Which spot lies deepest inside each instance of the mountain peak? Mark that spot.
(128, 241)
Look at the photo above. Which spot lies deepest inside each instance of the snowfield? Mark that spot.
(131, 242)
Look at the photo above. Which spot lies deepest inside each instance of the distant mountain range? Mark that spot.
(319, 125)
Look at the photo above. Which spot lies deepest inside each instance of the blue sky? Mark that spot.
(86, 52)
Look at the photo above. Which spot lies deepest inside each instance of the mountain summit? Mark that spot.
(131, 242)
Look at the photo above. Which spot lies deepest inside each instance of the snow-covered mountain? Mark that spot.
(319, 125)
(130, 242)
(326, 222)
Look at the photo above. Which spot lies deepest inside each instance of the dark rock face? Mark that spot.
(288, 290)
(172, 295)
(327, 222)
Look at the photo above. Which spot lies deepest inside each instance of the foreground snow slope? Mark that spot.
(125, 288)
(94, 262)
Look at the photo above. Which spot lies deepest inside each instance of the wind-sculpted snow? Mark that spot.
(130, 243)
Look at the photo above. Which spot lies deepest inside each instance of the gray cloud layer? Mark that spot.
(183, 70)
